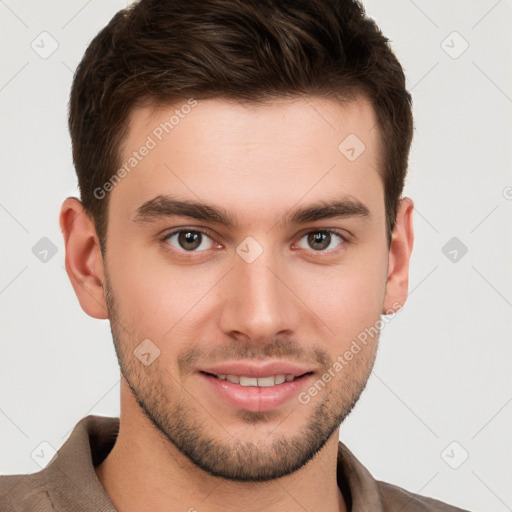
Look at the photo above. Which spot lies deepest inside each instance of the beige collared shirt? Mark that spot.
(69, 481)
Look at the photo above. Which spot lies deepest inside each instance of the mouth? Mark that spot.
(255, 388)
(260, 382)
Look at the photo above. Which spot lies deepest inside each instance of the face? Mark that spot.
(249, 247)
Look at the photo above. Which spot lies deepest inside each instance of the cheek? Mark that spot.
(154, 298)
(348, 298)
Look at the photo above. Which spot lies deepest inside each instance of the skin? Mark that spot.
(293, 303)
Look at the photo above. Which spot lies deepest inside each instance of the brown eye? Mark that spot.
(320, 240)
(189, 240)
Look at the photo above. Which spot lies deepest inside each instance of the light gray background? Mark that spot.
(444, 363)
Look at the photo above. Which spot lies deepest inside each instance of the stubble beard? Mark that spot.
(187, 425)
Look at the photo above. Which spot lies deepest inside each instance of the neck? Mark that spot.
(145, 471)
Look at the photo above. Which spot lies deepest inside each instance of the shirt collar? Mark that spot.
(73, 484)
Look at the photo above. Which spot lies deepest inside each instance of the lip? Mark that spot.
(253, 398)
(252, 369)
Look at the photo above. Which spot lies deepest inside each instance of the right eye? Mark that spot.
(189, 240)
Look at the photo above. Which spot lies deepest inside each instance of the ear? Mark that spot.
(399, 255)
(84, 262)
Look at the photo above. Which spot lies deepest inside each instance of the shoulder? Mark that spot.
(395, 498)
(367, 493)
(25, 493)
(69, 481)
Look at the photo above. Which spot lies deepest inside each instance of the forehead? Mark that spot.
(252, 157)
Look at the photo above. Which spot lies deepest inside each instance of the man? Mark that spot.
(241, 225)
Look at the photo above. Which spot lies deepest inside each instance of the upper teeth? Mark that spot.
(261, 382)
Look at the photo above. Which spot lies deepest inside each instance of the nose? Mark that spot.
(258, 301)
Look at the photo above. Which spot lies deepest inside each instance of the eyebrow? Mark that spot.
(167, 206)
(161, 207)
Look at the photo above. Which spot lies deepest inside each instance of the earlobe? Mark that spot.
(399, 256)
(84, 262)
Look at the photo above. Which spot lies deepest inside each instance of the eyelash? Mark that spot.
(345, 240)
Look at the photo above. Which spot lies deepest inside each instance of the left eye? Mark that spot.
(189, 240)
(320, 240)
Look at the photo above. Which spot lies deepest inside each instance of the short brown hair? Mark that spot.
(250, 50)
